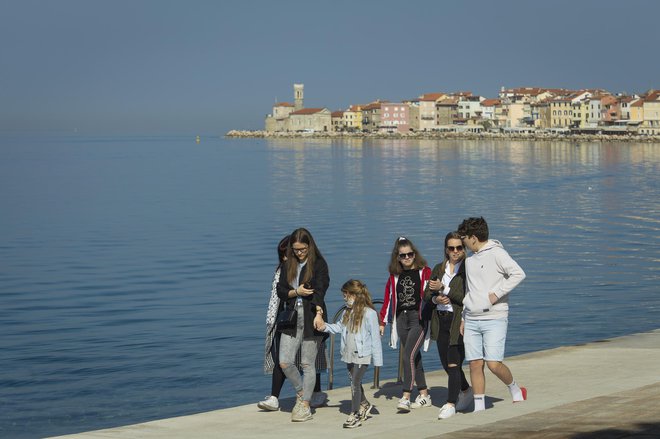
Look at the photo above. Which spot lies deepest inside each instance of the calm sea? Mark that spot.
(135, 271)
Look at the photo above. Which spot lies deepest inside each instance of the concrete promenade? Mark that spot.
(606, 389)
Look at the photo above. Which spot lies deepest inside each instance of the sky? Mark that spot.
(205, 67)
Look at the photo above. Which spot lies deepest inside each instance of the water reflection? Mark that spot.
(130, 272)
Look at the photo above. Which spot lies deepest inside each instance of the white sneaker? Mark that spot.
(403, 405)
(365, 409)
(421, 401)
(464, 399)
(353, 421)
(446, 411)
(270, 404)
(318, 399)
(301, 414)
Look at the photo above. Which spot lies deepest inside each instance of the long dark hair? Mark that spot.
(395, 266)
(281, 250)
(303, 236)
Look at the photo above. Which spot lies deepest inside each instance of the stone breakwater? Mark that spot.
(450, 135)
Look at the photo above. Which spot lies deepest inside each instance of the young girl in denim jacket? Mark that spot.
(360, 344)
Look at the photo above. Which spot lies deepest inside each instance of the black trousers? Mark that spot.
(451, 354)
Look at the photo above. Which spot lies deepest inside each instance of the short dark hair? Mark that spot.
(474, 227)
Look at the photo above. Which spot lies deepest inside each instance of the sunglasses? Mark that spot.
(458, 248)
(406, 255)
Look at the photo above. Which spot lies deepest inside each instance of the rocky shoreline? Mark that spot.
(449, 135)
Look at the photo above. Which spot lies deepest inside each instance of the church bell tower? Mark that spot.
(298, 96)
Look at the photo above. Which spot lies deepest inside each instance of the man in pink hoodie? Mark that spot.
(491, 275)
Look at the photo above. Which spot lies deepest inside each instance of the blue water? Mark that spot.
(135, 271)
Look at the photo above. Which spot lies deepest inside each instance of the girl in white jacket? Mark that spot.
(360, 344)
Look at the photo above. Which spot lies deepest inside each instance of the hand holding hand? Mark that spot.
(319, 323)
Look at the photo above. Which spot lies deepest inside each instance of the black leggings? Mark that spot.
(451, 354)
(411, 336)
(278, 373)
(355, 374)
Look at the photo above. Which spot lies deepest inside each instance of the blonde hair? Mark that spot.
(353, 316)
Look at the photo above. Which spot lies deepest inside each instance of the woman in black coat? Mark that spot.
(302, 285)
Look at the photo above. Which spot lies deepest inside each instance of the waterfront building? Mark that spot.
(610, 109)
(278, 120)
(428, 120)
(371, 116)
(446, 111)
(394, 118)
(413, 114)
(594, 114)
(337, 120)
(561, 112)
(580, 109)
(651, 106)
(311, 120)
(353, 119)
(540, 112)
(517, 114)
(624, 103)
(489, 108)
(636, 110)
(469, 107)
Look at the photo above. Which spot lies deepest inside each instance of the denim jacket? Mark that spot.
(367, 339)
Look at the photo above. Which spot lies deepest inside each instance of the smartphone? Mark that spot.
(435, 278)
(307, 285)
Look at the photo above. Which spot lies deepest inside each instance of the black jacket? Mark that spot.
(320, 282)
(456, 295)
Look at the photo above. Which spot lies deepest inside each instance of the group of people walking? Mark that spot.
(461, 304)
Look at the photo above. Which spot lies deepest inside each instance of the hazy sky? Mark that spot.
(157, 66)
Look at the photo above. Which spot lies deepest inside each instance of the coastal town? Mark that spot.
(522, 111)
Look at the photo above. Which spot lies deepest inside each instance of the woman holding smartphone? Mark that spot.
(302, 285)
(272, 346)
(446, 291)
(404, 297)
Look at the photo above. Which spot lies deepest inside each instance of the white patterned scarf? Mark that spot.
(271, 315)
(274, 302)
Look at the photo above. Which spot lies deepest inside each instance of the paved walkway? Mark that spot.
(607, 389)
